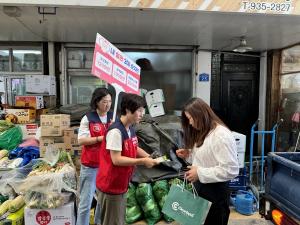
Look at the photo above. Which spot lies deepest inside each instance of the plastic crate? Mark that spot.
(239, 182)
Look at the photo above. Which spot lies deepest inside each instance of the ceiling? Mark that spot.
(209, 30)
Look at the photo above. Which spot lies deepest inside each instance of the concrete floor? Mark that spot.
(234, 219)
(255, 219)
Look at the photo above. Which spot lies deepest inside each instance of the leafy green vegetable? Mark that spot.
(175, 181)
(160, 191)
(63, 157)
(146, 200)
(133, 210)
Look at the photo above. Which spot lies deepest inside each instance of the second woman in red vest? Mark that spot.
(118, 155)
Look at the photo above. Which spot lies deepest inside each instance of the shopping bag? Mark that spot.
(186, 207)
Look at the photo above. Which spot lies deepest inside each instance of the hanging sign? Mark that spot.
(114, 67)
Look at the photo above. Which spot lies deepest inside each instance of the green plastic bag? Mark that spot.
(185, 207)
(160, 191)
(10, 138)
(133, 210)
(145, 198)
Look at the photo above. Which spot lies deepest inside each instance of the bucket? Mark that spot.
(244, 202)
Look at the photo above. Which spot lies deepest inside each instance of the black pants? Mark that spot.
(218, 194)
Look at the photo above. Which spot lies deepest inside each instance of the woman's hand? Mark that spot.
(149, 162)
(182, 153)
(192, 175)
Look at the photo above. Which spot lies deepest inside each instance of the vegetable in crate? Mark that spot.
(3, 153)
(4, 207)
(50, 200)
(63, 157)
(16, 204)
(160, 191)
(145, 198)
(133, 210)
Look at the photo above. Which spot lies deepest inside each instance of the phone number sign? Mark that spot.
(113, 66)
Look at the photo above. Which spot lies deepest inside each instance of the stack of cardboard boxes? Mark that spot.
(27, 111)
(52, 131)
(56, 131)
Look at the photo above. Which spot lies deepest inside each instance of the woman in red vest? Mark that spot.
(93, 127)
(119, 154)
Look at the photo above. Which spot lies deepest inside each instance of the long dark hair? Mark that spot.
(204, 118)
(98, 94)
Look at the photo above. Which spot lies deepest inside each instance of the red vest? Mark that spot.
(90, 153)
(113, 179)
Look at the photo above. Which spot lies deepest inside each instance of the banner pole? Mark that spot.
(118, 90)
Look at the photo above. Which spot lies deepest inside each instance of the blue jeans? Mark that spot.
(86, 190)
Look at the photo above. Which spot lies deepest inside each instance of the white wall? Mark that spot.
(203, 65)
(262, 91)
(51, 58)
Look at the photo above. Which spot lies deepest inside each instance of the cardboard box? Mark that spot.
(60, 216)
(49, 101)
(23, 115)
(56, 142)
(40, 112)
(36, 102)
(40, 84)
(54, 125)
(29, 130)
(71, 140)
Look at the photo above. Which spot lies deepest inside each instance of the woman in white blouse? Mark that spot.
(211, 149)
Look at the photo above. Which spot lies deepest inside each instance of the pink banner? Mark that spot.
(113, 66)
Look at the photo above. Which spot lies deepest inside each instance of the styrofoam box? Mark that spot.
(241, 159)
(240, 140)
(62, 215)
(156, 109)
(154, 96)
(40, 84)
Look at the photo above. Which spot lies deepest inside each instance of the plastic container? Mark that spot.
(245, 202)
(239, 182)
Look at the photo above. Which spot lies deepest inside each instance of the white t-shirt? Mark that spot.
(84, 129)
(114, 139)
(216, 159)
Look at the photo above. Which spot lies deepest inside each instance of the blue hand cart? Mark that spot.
(261, 158)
